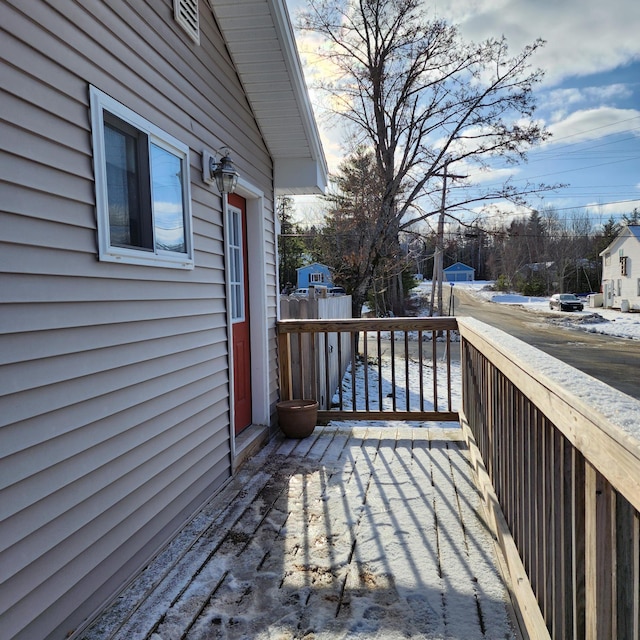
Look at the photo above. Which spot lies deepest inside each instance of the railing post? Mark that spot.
(577, 543)
(628, 569)
(284, 353)
(599, 555)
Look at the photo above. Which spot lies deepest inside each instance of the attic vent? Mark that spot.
(185, 13)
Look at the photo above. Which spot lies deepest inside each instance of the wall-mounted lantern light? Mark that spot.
(223, 172)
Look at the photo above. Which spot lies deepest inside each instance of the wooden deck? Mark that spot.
(350, 533)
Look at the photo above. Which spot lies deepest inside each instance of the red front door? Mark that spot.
(239, 291)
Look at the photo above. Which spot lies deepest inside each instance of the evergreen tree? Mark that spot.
(347, 241)
(291, 248)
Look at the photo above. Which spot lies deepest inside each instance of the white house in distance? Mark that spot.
(621, 270)
(138, 303)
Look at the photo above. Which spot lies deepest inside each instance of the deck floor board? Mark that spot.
(357, 532)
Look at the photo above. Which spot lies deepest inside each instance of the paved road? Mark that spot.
(615, 361)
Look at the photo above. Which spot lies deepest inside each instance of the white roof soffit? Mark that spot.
(260, 39)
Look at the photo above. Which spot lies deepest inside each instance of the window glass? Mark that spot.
(121, 155)
(236, 276)
(168, 205)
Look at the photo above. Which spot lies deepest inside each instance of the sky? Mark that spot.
(589, 99)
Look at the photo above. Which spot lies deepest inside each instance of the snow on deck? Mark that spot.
(351, 533)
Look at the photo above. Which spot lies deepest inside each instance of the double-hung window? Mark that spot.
(143, 197)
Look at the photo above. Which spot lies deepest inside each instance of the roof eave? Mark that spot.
(298, 158)
(632, 231)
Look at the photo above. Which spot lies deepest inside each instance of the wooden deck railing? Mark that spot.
(395, 385)
(567, 479)
(560, 476)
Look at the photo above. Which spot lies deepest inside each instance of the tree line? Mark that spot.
(537, 255)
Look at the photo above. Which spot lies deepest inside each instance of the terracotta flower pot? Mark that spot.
(297, 418)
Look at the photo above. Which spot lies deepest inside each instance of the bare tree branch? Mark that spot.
(421, 99)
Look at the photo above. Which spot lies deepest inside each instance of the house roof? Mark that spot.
(631, 231)
(314, 265)
(458, 266)
(260, 39)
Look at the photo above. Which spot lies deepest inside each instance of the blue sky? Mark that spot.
(589, 100)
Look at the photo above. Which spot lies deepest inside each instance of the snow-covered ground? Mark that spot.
(619, 408)
(598, 320)
(412, 384)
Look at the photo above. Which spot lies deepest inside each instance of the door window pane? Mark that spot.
(236, 276)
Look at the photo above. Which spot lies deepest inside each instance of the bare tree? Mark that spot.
(569, 248)
(423, 99)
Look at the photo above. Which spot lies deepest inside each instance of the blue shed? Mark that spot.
(459, 272)
(314, 274)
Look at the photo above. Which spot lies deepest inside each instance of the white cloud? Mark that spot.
(583, 36)
(591, 124)
(612, 209)
(597, 96)
(479, 175)
(498, 214)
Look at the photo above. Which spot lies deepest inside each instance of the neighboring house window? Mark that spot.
(639, 286)
(623, 266)
(607, 259)
(316, 277)
(143, 198)
(619, 287)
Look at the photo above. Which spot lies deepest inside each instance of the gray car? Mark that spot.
(565, 302)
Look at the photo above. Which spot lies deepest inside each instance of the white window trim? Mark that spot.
(101, 102)
(260, 234)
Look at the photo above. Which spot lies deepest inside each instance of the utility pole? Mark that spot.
(438, 271)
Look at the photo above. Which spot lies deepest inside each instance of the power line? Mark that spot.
(604, 126)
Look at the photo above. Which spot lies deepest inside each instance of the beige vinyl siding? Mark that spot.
(114, 394)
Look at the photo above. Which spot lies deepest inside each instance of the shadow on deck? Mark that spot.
(350, 533)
